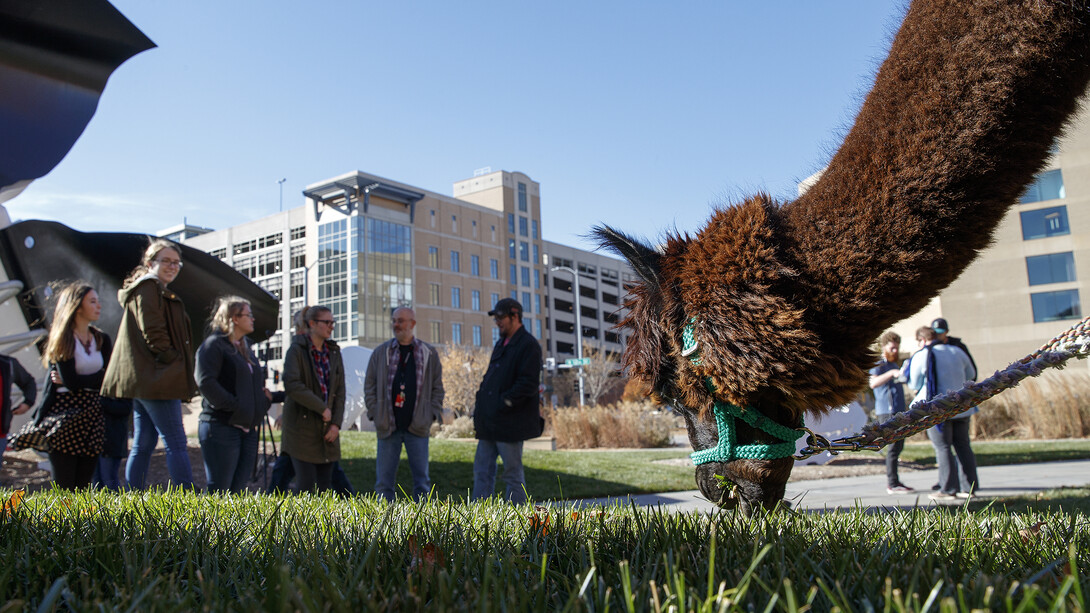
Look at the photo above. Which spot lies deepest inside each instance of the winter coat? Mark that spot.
(12, 374)
(507, 401)
(232, 391)
(429, 389)
(153, 357)
(302, 425)
(115, 411)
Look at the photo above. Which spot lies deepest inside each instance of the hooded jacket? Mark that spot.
(153, 356)
(429, 390)
(232, 390)
(507, 401)
(302, 425)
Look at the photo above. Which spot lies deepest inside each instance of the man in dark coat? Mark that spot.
(506, 412)
(941, 329)
(12, 374)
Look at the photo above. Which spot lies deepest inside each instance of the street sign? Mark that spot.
(577, 362)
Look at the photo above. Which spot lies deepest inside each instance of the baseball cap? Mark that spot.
(507, 306)
(940, 326)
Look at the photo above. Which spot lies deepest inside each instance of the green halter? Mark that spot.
(725, 413)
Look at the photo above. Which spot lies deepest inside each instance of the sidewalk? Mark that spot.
(870, 490)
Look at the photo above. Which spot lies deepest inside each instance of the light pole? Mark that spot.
(578, 325)
(281, 183)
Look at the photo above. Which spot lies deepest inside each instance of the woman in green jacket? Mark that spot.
(314, 406)
(152, 363)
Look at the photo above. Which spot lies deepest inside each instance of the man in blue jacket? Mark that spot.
(506, 412)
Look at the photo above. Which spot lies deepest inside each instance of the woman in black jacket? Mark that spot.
(69, 424)
(232, 385)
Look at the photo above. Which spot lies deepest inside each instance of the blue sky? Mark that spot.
(638, 114)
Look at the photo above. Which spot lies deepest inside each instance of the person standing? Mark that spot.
(314, 403)
(889, 399)
(69, 424)
(506, 410)
(153, 363)
(234, 399)
(12, 374)
(403, 392)
(936, 369)
(942, 329)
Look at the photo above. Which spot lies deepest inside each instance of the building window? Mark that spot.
(565, 348)
(453, 224)
(514, 278)
(475, 265)
(612, 337)
(433, 294)
(537, 329)
(493, 233)
(537, 303)
(511, 248)
(298, 256)
(298, 233)
(220, 253)
(588, 312)
(456, 297)
(1043, 223)
(455, 261)
(1054, 306)
(298, 284)
(609, 298)
(494, 268)
(474, 228)
(522, 197)
(526, 304)
(1050, 268)
(561, 284)
(1048, 186)
(476, 336)
(511, 223)
(537, 279)
(537, 254)
(533, 230)
(526, 276)
(494, 297)
(588, 292)
(475, 299)
(456, 334)
(524, 252)
(564, 326)
(437, 332)
(590, 332)
(587, 270)
(433, 218)
(563, 305)
(524, 226)
(433, 256)
(495, 335)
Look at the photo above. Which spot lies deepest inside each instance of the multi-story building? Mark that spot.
(364, 245)
(1026, 287)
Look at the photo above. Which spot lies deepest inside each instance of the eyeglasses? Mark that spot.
(499, 318)
(173, 263)
(328, 322)
(250, 315)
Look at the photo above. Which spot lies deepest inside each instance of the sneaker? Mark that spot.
(936, 487)
(942, 496)
(900, 488)
(965, 495)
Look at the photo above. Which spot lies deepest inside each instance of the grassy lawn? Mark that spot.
(995, 453)
(549, 474)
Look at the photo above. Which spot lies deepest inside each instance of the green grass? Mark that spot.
(995, 453)
(182, 552)
(550, 475)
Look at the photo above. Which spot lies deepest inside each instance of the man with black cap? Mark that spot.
(941, 328)
(506, 411)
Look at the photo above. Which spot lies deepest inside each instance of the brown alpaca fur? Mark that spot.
(787, 298)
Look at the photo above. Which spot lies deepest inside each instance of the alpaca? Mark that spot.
(782, 300)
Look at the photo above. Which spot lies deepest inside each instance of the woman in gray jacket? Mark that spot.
(232, 384)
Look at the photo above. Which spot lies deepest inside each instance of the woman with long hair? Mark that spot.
(234, 399)
(69, 423)
(314, 407)
(153, 363)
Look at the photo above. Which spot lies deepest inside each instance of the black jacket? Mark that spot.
(13, 374)
(955, 341)
(232, 392)
(507, 402)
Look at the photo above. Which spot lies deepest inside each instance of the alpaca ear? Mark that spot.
(643, 258)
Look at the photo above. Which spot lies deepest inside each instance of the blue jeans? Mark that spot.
(389, 456)
(106, 473)
(230, 455)
(151, 419)
(484, 470)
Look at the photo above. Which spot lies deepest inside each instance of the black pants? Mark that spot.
(312, 477)
(72, 471)
(283, 472)
(892, 457)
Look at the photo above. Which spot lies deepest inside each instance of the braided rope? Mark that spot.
(1073, 343)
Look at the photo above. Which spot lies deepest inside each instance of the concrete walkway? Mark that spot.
(870, 490)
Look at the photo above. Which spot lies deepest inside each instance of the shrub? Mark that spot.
(625, 424)
(1055, 405)
(461, 427)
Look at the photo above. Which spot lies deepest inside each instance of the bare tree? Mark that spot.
(463, 370)
(601, 374)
